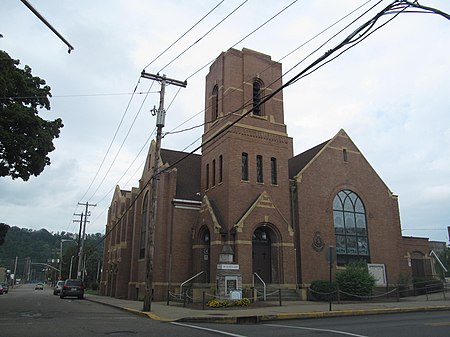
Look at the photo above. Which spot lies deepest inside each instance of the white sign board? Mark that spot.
(378, 271)
(227, 266)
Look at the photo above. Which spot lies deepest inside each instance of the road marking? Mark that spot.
(208, 329)
(438, 324)
(315, 329)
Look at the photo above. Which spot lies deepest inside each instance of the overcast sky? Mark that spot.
(390, 93)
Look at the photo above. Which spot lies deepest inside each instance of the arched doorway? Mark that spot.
(262, 253)
(205, 246)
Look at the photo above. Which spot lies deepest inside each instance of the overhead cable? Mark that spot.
(351, 39)
(123, 142)
(209, 31)
(291, 52)
(112, 140)
(183, 35)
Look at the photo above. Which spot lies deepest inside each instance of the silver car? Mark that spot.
(58, 287)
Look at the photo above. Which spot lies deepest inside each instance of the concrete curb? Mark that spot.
(308, 315)
(258, 318)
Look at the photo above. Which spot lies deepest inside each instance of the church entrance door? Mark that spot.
(262, 254)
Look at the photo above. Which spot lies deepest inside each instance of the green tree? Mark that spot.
(3, 230)
(356, 279)
(42, 246)
(25, 137)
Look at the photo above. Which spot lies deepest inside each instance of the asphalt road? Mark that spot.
(28, 312)
(25, 312)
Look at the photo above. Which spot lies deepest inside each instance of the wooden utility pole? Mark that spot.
(80, 252)
(150, 243)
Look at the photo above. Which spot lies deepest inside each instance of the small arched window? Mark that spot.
(257, 97)
(350, 227)
(215, 102)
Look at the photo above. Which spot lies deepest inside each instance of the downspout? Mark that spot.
(293, 192)
(169, 276)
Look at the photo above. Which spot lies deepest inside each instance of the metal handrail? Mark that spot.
(264, 284)
(188, 280)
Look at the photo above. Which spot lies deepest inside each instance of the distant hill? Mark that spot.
(34, 248)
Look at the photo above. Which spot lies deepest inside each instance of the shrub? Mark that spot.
(94, 286)
(323, 289)
(216, 303)
(424, 285)
(403, 284)
(243, 302)
(356, 279)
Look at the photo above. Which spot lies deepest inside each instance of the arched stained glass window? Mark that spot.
(350, 227)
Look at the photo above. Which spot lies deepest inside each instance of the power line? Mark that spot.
(291, 52)
(80, 95)
(245, 37)
(184, 34)
(209, 31)
(260, 26)
(352, 39)
(129, 166)
(267, 21)
(121, 145)
(112, 141)
(263, 100)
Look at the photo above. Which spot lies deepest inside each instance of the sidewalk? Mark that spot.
(269, 311)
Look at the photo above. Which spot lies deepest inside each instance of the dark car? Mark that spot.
(1, 290)
(5, 287)
(72, 287)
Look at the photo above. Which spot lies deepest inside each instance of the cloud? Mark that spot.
(390, 93)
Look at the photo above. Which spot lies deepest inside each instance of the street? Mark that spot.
(419, 324)
(28, 312)
(25, 312)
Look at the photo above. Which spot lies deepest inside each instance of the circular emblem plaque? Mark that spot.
(318, 243)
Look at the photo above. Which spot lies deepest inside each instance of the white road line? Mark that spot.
(208, 329)
(316, 329)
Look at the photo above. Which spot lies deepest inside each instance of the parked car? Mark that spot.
(5, 287)
(72, 287)
(39, 286)
(1, 290)
(57, 288)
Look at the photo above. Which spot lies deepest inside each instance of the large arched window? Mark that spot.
(257, 96)
(350, 227)
(215, 102)
(144, 222)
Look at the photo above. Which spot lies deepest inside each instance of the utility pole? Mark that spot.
(60, 257)
(79, 238)
(80, 253)
(15, 275)
(150, 243)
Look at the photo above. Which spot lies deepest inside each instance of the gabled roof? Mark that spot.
(210, 207)
(264, 201)
(216, 211)
(297, 163)
(300, 163)
(188, 172)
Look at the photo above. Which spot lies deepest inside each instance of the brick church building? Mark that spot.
(278, 212)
